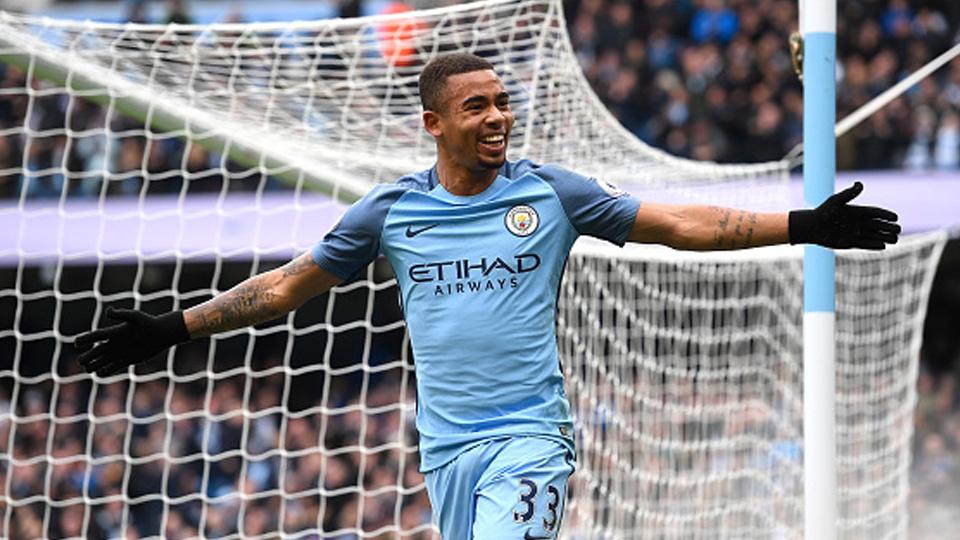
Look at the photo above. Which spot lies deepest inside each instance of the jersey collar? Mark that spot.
(441, 192)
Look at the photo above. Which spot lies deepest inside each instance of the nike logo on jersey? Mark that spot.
(411, 232)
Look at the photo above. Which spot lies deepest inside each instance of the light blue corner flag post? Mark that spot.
(818, 23)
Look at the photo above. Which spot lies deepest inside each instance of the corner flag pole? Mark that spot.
(819, 26)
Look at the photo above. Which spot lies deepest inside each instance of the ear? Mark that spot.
(432, 123)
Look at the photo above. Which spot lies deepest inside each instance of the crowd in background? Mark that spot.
(706, 79)
(170, 474)
(327, 445)
(714, 80)
(935, 472)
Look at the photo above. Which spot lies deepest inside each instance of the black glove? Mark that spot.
(138, 338)
(837, 224)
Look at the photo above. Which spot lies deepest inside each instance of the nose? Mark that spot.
(495, 117)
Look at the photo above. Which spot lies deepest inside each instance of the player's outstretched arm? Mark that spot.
(261, 298)
(835, 224)
(140, 336)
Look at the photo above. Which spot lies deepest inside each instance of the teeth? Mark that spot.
(492, 139)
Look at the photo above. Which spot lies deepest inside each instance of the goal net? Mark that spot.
(154, 166)
(687, 385)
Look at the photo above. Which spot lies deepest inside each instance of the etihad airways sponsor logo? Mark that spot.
(473, 268)
(474, 275)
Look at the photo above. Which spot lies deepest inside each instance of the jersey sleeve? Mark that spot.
(594, 207)
(355, 240)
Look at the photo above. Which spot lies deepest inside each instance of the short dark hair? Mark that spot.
(433, 78)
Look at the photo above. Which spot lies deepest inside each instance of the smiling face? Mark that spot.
(473, 121)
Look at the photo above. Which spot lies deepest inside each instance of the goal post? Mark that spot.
(159, 165)
(819, 276)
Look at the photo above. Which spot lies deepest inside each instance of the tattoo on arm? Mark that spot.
(298, 265)
(260, 298)
(724, 219)
(717, 239)
(752, 220)
(742, 230)
(248, 303)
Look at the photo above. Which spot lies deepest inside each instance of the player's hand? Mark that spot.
(838, 224)
(138, 337)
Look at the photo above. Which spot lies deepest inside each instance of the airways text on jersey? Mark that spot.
(475, 275)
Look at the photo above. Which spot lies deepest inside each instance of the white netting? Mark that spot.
(322, 98)
(153, 166)
(685, 373)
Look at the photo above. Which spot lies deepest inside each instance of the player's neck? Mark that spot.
(464, 182)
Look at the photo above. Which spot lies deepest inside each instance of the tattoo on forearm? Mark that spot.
(724, 220)
(254, 301)
(742, 230)
(298, 265)
(248, 303)
(752, 220)
(718, 235)
(717, 239)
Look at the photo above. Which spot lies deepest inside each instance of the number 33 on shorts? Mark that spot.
(550, 510)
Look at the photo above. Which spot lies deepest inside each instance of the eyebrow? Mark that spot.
(482, 99)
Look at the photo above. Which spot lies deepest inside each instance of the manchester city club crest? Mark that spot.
(522, 220)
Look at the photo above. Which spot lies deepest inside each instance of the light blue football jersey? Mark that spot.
(479, 278)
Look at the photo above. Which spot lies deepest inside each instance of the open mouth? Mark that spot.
(493, 143)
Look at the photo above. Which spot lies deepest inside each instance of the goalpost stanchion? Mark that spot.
(819, 25)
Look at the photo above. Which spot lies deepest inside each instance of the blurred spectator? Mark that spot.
(947, 149)
(350, 8)
(935, 475)
(617, 27)
(897, 19)
(918, 156)
(177, 12)
(714, 21)
(137, 11)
